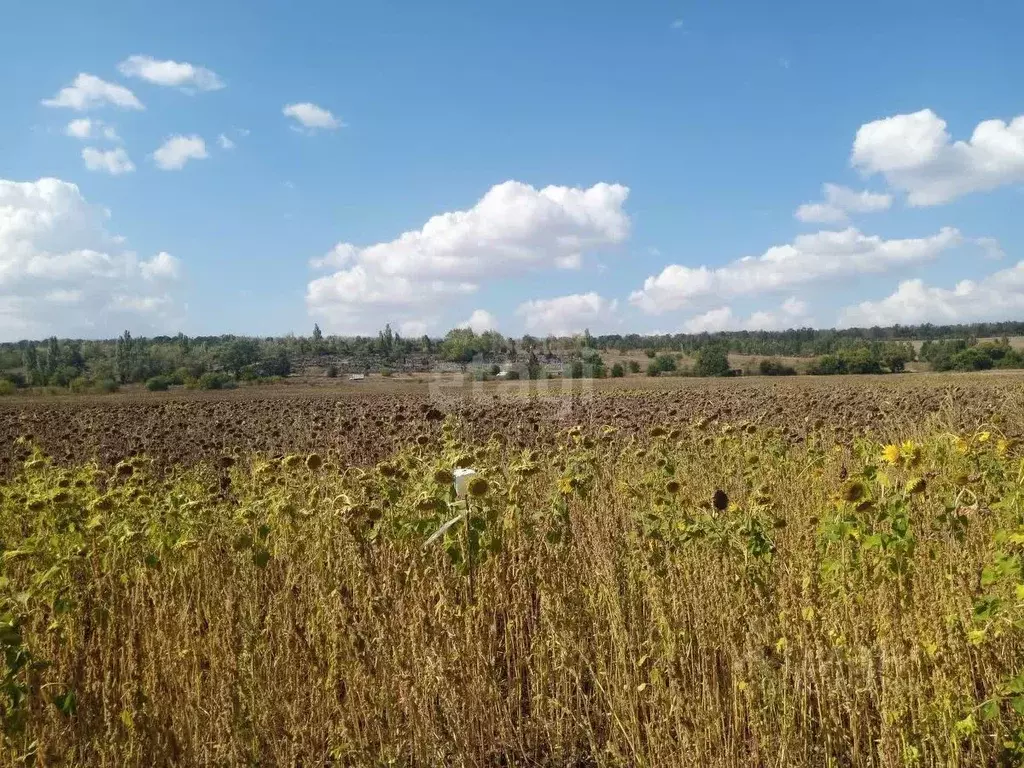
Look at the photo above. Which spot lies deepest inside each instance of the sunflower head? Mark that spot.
(853, 491)
(891, 454)
(478, 487)
(720, 500)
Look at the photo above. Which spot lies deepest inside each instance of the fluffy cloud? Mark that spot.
(85, 128)
(90, 92)
(62, 272)
(163, 266)
(792, 314)
(224, 142)
(1000, 296)
(311, 117)
(178, 150)
(566, 315)
(514, 229)
(809, 258)
(839, 202)
(187, 77)
(916, 154)
(112, 161)
(990, 247)
(481, 320)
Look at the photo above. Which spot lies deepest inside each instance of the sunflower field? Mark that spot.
(704, 592)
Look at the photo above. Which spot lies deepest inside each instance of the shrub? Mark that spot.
(650, 353)
(106, 386)
(332, 371)
(827, 365)
(511, 375)
(387, 373)
(158, 384)
(618, 371)
(576, 369)
(216, 380)
(861, 361)
(973, 359)
(7, 387)
(666, 363)
(653, 369)
(634, 366)
(711, 361)
(773, 367)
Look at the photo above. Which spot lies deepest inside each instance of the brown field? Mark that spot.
(366, 422)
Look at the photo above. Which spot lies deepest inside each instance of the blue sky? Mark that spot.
(614, 163)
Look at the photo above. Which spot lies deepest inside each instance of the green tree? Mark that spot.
(618, 371)
(129, 360)
(319, 348)
(460, 345)
(666, 363)
(240, 353)
(533, 367)
(896, 356)
(711, 360)
(30, 361)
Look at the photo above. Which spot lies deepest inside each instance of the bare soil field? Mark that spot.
(361, 423)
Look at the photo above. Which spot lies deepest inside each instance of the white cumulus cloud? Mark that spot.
(809, 258)
(90, 92)
(791, 314)
(173, 74)
(481, 320)
(63, 273)
(311, 117)
(999, 296)
(178, 150)
(566, 315)
(163, 266)
(86, 128)
(841, 201)
(112, 161)
(512, 230)
(990, 247)
(79, 129)
(916, 154)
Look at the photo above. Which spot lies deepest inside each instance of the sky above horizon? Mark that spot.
(533, 167)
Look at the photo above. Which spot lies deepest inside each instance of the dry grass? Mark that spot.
(604, 606)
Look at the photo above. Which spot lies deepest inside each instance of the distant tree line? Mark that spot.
(805, 342)
(82, 364)
(218, 361)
